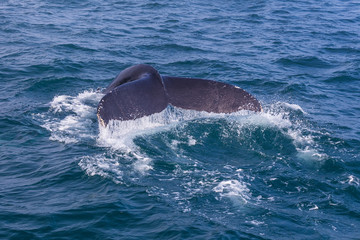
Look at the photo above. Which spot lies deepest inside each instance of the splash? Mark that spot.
(158, 151)
(120, 134)
(101, 165)
(233, 189)
(71, 118)
(288, 118)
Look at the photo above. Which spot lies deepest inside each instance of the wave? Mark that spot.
(304, 61)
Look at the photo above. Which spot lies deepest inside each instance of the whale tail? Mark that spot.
(131, 74)
(140, 91)
(207, 95)
(132, 100)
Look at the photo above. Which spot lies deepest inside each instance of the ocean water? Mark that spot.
(290, 172)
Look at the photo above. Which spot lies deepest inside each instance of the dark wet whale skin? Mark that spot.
(140, 91)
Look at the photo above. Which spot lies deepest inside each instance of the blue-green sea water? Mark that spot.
(290, 172)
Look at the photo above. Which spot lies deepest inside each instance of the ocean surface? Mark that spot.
(290, 172)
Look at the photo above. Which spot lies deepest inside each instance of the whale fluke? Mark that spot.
(207, 95)
(140, 91)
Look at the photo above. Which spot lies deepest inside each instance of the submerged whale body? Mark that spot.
(140, 91)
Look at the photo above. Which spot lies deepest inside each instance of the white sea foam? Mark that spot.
(80, 104)
(102, 166)
(255, 222)
(71, 118)
(351, 180)
(291, 106)
(120, 134)
(142, 164)
(80, 111)
(233, 189)
(191, 141)
(309, 154)
(315, 207)
(278, 115)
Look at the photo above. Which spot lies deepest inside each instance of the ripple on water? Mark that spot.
(292, 170)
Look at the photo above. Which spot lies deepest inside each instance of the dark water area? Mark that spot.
(290, 172)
